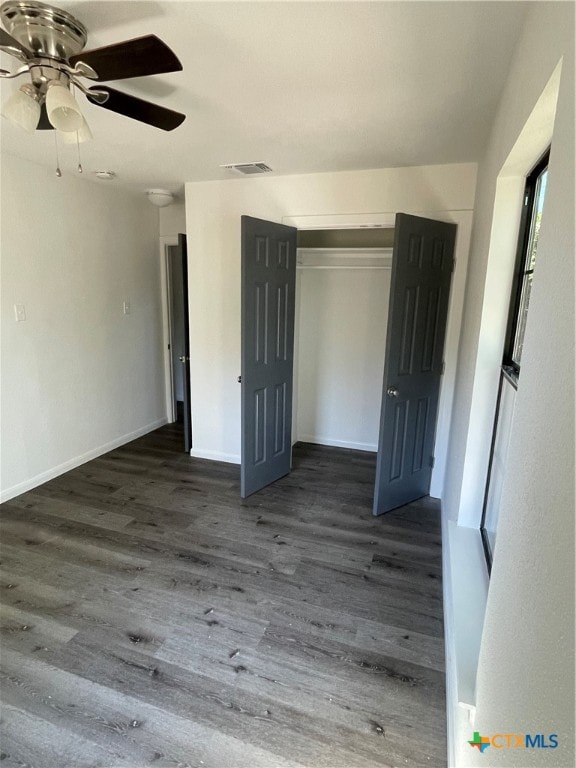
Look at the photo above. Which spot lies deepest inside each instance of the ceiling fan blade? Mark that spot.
(139, 57)
(138, 109)
(9, 45)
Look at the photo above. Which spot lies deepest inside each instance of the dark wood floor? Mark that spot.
(151, 618)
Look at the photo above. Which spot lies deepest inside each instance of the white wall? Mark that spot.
(78, 376)
(213, 211)
(341, 328)
(172, 219)
(525, 678)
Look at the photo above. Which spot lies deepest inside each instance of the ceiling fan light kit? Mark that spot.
(23, 108)
(62, 108)
(49, 44)
(80, 136)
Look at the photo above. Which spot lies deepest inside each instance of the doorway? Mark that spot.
(176, 304)
(178, 355)
(422, 267)
(341, 316)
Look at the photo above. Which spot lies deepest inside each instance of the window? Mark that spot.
(534, 194)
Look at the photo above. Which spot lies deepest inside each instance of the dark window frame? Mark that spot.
(505, 375)
(521, 261)
(510, 369)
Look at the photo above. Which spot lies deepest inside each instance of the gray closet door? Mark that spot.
(422, 266)
(268, 284)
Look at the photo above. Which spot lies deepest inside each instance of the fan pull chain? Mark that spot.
(58, 171)
(75, 90)
(78, 148)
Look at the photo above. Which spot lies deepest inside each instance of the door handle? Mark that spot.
(392, 392)
(183, 359)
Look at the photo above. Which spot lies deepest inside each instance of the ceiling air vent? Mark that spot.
(247, 169)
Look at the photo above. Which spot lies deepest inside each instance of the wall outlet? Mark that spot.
(126, 307)
(19, 312)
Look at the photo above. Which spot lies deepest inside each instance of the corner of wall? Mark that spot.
(83, 370)
(172, 219)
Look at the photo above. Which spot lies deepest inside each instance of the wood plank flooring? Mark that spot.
(152, 618)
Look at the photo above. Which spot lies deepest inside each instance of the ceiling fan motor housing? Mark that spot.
(46, 31)
(50, 44)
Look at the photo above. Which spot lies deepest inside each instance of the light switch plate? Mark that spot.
(19, 312)
(126, 307)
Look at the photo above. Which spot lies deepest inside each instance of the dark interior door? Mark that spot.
(268, 283)
(422, 266)
(185, 357)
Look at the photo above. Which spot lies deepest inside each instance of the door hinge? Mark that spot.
(453, 265)
(443, 368)
(432, 462)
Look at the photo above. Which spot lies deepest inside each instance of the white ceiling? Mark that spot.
(304, 87)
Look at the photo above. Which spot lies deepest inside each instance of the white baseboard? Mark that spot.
(229, 458)
(50, 474)
(337, 443)
(234, 458)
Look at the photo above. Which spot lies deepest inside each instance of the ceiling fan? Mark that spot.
(49, 43)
